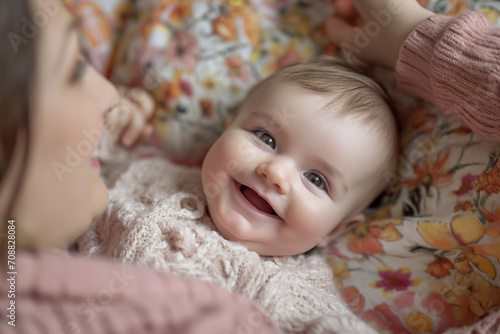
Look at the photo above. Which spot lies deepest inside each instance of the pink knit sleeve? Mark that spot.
(77, 295)
(455, 64)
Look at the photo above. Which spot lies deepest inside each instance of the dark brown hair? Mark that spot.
(17, 68)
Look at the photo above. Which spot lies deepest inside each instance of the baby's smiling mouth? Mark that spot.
(256, 200)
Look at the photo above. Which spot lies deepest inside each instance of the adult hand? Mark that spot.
(386, 24)
(127, 122)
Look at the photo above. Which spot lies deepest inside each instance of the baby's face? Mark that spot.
(286, 172)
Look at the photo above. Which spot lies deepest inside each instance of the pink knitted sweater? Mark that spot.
(455, 64)
(65, 294)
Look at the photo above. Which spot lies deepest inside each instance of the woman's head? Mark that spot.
(50, 126)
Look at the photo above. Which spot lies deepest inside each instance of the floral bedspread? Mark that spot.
(429, 258)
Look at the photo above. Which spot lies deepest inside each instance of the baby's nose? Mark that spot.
(277, 174)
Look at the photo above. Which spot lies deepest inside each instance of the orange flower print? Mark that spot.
(418, 322)
(433, 315)
(383, 317)
(183, 50)
(431, 173)
(363, 242)
(463, 206)
(179, 12)
(440, 267)
(237, 10)
(470, 296)
(493, 219)
(207, 107)
(465, 232)
(225, 27)
(436, 305)
(296, 21)
(385, 229)
(457, 8)
(175, 89)
(462, 130)
(365, 239)
(489, 181)
(354, 299)
(238, 68)
(422, 120)
(467, 185)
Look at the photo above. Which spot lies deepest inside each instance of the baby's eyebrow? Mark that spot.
(334, 173)
(261, 115)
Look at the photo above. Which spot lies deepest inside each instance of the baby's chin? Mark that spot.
(221, 226)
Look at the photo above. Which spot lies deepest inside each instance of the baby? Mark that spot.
(302, 158)
(306, 153)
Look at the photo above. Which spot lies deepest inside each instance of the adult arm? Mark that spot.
(453, 63)
(77, 295)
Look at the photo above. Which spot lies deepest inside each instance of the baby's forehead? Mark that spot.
(284, 103)
(285, 97)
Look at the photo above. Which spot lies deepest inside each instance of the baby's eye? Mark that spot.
(266, 138)
(79, 69)
(316, 179)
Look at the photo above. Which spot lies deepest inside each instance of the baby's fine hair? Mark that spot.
(358, 96)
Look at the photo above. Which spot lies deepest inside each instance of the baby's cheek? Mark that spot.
(314, 220)
(237, 153)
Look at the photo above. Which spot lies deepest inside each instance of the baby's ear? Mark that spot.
(342, 227)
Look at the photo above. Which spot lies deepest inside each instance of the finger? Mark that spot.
(117, 119)
(143, 99)
(345, 9)
(133, 130)
(338, 30)
(146, 133)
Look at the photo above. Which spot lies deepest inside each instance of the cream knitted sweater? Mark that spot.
(157, 217)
